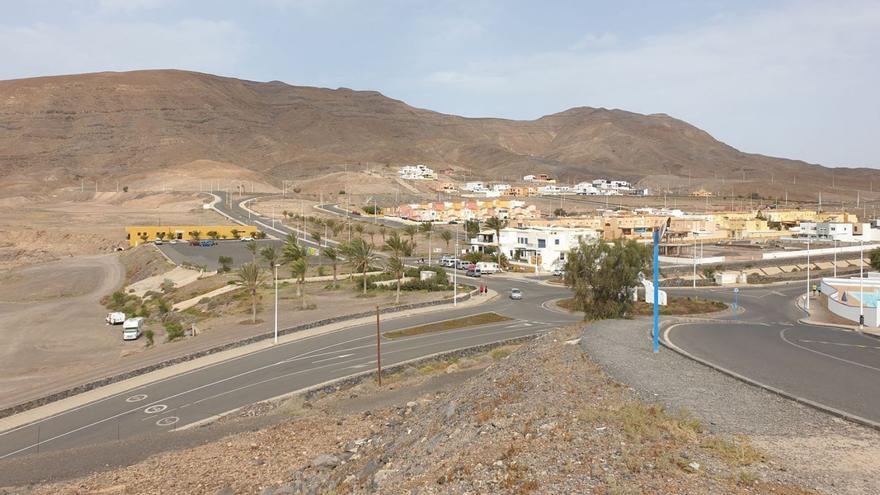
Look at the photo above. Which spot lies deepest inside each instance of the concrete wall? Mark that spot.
(816, 252)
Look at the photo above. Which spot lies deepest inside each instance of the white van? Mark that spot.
(487, 267)
(115, 318)
(132, 328)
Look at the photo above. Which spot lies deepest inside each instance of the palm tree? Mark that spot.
(411, 231)
(395, 267)
(472, 227)
(496, 224)
(331, 224)
(360, 256)
(360, 230)
(160, 235)
(372, 234)
(236, 234)
(251, 277)
(298, 269)
(144, 236)
(213, 234)
(292, 251)
(398, 246)
(316, 235)
(427, 230)
(382, 232)
(446, 235)
(332, 254)
(195, 234)
(337, 228)
(270, 255)
(252, 247)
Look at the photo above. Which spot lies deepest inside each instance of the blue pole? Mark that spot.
(656, 290)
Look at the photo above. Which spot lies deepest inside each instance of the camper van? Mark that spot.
(115, 318)
(132, 328)
(487, 267)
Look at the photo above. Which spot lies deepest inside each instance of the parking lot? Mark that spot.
(183, 252)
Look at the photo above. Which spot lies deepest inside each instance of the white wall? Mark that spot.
(815, 252)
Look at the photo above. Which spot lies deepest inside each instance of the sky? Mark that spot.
(795, 79)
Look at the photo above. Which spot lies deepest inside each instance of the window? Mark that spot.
(542, 243)
(556, 241)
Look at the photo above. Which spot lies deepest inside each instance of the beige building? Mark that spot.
(140, 234)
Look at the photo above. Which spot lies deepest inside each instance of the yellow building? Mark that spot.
(139, 234)
(701, 193)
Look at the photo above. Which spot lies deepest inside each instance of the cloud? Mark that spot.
(89, 45)
(779, 80)
(131, 5)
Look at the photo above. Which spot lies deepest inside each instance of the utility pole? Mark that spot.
(378, 349)
(275, 265)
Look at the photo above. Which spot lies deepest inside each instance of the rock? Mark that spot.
(498, 463)
(381, 475)
(226, 490)
(412, 404)
(693, 467)
(450, 410)
(325, 461)
(258, 462)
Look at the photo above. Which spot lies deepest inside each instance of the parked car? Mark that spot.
(447, 260)
(473, 272)
(158, 242)
(515, 294)
(207, 243)
(247, 239)
(193, 243)
(558, 272)
(463, 264)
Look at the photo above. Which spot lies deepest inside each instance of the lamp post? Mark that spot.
(275, 266)
(807, 299)
(656, 291)
(835, 258)
(861, 283)
(455, 272)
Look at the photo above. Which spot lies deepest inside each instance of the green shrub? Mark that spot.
(149, 336)
(173, 331)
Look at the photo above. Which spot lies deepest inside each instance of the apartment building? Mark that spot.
(544, 246)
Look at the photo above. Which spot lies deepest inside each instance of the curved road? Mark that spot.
(204, 392)
(836, 368)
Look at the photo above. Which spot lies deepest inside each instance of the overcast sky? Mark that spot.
(798, 79)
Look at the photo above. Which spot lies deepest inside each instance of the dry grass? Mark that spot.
(738, 452)
(676, 306)
(465, 322)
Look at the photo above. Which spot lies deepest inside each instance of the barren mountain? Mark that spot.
(56, 130)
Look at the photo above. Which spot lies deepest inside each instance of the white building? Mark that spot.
(529, 178)
(554, 189)
(501, 188)
(548, 247)
(474, 186)
(417, 172)
(586, 189)
(837, 231)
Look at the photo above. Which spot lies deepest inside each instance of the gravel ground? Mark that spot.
(817, 450)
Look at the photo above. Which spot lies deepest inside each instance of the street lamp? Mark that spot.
(455, 272)
(861, 282)
(275, 266)
(807, 299)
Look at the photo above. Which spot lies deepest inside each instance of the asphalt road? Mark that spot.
(837, 368)
(205, 392)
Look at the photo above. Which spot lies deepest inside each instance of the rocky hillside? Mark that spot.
(55, 130)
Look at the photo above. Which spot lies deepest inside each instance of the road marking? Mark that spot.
(136, 398)
(332, 358)
(861, 346)
(155, 409)
(167, 421)
(782, 336)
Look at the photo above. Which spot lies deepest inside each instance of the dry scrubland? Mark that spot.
(72, 223)
(544, 419)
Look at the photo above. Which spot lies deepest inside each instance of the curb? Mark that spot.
(41, 401)
(356, 378)
(749, 381)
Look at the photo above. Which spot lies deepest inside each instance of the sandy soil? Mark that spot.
(51, 322)
(73, 223)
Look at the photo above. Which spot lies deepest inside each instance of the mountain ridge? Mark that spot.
(120, 123)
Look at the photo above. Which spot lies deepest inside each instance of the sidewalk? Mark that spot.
(101, 392)
(819, 315)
